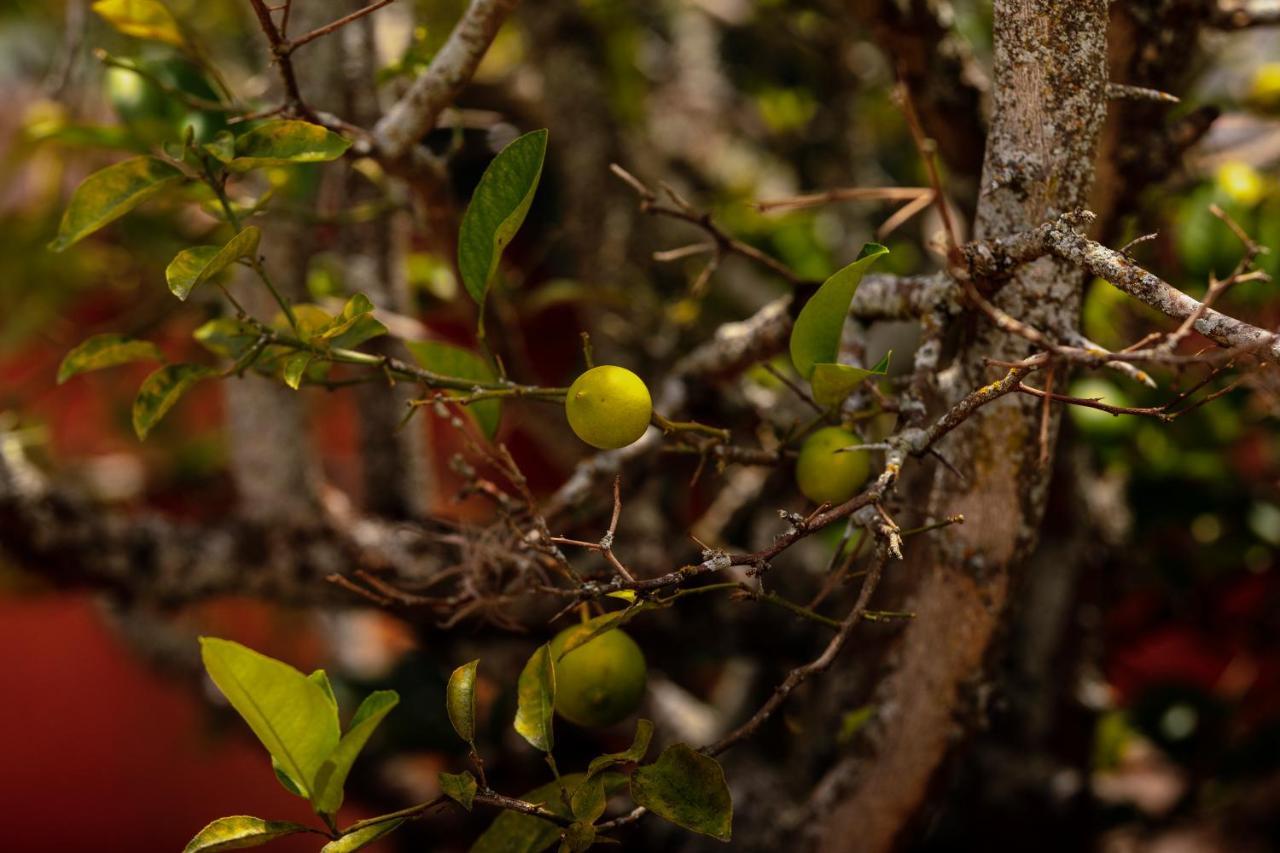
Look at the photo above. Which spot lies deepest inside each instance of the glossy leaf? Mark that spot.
(688, 789)
(106, 350)
(535, 700)
(110, 193)
(832, 383)
(290, 713)
(460, 787)
(161, 390)
(355, 325)
(815, 339)
(282, 142)
(145, 19)
(448, 360)
(362, 837)
(295, 367)
(497, 210)
(460, 701)
(193, 267)
(233, 833)
(332, 775)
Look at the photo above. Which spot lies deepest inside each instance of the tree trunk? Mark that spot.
(1049, 104)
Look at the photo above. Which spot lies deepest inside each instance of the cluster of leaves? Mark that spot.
(295, 717)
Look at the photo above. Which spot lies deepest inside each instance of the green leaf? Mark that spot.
(226, 337)
(815, 338)
(535, 700)
(284, 141)
(222, 147)
(110, 193)
(232, 833)
(457, 363)
(497, 210)
(362, 837)
(832, 383)
(332, 775)
(588, 799)
(106, 350)
(295, 367)
(161, 390)
(602, 625)
(193, 267)
(635, 752)
(578, 837)
(688, 789)
(460, 701)
(290, 713)
(460, 787)
(144, 19)
(513, 832)
(355, 325)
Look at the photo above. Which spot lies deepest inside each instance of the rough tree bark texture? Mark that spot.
(1049, 104)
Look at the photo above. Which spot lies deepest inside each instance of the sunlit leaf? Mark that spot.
(144, 19)
(362, 837)
(295, 367)
(535, 700)
(497, 210)
(193, 267)
(355, 325)
(281, 142)
(233, 833)
(688, 789)
(110, 193)
(332, 775)
(161, 390)
(455, 362)
(106, 350)
(815, 339)
(290, 713)
(460, 787)
(460, 700)
(832, 383)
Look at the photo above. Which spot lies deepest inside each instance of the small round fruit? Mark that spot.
(1095, 422)
(825, 476)
(601, 681)
(608, 407)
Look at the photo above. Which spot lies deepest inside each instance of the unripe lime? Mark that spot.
(1264, 89)
(825, 476)
(1095, 422)
(608, 407)
(601, 681)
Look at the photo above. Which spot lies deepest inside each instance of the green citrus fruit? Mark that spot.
(601, 681)
(1095, 422)
(825, 476)
(608, 407)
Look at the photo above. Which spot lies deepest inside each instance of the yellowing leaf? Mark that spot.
(161, 390)
(460, 700)
(193, 267)
(281, 142)
(535, 700)
(144, 19)
(233, 833)
(110, 193)
(688, 789)
(106, 350)
(460, 787)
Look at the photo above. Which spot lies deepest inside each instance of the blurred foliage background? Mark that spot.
(1167, 687)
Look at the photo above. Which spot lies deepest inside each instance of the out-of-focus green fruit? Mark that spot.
(1241, 183)
(154, 115)
(1095, 422)
(608, 407)
(826, 476)
(601, 681)
(1264, 89)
